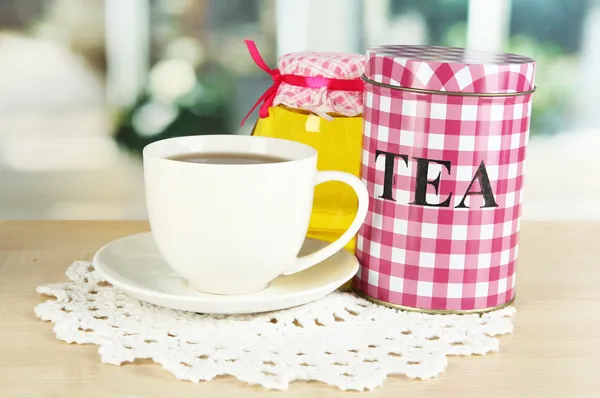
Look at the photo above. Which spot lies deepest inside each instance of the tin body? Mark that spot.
(444, 145)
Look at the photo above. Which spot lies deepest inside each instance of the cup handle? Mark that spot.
(355, 183)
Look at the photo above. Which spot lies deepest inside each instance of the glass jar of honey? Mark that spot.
(316, 99)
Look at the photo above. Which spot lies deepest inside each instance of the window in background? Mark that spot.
(86, 84)
(57, 159)
(199, 74)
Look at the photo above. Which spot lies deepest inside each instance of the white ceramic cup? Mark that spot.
(233, 228)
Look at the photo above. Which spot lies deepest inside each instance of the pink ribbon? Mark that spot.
(266, 100)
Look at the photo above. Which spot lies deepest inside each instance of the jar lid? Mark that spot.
(321, 100)
(450, 69)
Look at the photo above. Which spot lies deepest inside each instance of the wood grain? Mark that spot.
(555, 351)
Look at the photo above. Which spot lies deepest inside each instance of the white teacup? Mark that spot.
(233, 228)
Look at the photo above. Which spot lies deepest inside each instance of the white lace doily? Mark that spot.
(341, 340)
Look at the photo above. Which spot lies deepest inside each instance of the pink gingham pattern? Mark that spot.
(321, 100)
(442, 258)
(450, 69)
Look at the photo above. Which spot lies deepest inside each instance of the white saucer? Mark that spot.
(134, 265)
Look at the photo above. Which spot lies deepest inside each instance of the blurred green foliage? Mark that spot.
(555, 77)
(206, 109)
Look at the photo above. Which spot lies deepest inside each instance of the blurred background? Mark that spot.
(84, 85)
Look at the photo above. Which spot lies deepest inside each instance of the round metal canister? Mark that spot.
(445, 136)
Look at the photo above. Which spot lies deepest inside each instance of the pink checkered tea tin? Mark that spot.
(445, 135)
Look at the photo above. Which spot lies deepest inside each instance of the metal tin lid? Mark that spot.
(449, 69)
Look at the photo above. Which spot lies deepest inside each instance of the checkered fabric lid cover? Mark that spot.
(450, 69)
(321, 64)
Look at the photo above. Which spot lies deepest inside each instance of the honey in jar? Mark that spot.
(316, 99)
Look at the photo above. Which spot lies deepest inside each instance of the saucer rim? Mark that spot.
(204, 297)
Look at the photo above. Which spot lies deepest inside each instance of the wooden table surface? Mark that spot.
(554, 352)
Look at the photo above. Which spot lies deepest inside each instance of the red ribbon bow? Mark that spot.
(266, 100)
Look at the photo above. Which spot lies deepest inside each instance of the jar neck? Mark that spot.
(306, 112)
